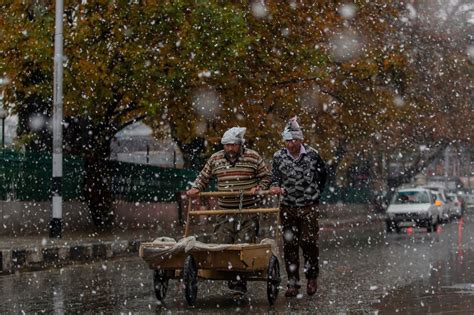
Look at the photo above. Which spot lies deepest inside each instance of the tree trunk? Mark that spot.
(97, 191)
(192, 151)
(97, 181)
(332, 168)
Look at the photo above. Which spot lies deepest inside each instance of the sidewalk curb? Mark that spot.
(32, 258)
(57, 256)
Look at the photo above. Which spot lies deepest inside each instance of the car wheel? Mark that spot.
(390, 226)
(397, 228)
(430, 225)
(435, 225)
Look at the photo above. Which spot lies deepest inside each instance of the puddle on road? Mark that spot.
(448, 289)
(420, 298)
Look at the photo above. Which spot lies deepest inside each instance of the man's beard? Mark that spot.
(232, 155)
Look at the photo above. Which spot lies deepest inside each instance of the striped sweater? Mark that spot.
(249, 170)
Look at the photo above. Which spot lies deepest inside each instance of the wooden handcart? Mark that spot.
(252, 262)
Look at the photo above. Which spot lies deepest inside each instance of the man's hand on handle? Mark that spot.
(192, 192)
(277, 190)
(255, 190)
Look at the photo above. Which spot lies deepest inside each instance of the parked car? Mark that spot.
(456, 205)
(468, 198)
(413, 207)
(440, 193)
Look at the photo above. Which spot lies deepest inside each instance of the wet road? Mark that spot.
(448, 285)
(362, 270)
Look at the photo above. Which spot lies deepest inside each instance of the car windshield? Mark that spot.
(404, 197)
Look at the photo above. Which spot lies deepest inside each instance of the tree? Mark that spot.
(124, 62)
(109, 81)
(435, 80)
(361, 76)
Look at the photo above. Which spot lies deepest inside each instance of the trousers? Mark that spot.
(300, 228)
(232, 229)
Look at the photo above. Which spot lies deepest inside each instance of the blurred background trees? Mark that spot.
(370, 81)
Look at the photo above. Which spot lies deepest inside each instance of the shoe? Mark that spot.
(291, 292)
(312, 286)
(238, 297)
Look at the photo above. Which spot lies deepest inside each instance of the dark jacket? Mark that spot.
(303, 179)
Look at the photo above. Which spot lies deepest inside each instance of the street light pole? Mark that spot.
(55, 226)
(3, 115)
(446, 167)
(3, 132)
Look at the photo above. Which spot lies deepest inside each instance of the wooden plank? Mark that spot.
(231, 193)
(186, 229)
(208, 274)
(231, 246)
(255, 258)
(204, 260)
(234, 211)
(237, 257)
(232, 274)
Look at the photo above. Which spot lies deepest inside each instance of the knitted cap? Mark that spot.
(292, 130)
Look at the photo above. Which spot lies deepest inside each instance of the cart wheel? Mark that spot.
(160, 284)
(190, 280)
(273, 279)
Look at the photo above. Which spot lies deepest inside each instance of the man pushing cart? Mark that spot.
(233, 254)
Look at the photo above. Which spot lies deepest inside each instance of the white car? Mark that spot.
(468, 198)
(413, 207)
(456, 205)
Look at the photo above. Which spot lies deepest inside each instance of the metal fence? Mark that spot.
(136, 182)
(27, 177)
(347, 195)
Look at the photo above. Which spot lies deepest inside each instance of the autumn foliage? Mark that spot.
(367, 78)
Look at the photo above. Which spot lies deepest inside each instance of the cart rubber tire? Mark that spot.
(190, 272)
(160, 284)
(273, 279)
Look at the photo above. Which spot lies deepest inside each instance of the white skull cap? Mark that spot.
(234, 135)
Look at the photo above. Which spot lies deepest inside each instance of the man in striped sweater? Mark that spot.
(299, 174)
(237, 169)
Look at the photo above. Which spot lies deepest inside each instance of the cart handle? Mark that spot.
(230, 211)
(231, 193)
(235, 211)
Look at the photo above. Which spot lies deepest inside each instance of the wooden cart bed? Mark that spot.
(219, 257)
(189, 259)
